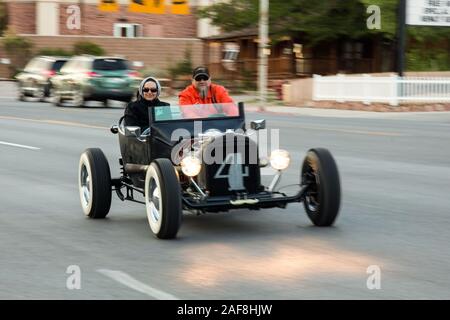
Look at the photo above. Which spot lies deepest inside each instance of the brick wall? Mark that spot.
(156, 54)
(22, 17)
(98, 23)
(4, 71)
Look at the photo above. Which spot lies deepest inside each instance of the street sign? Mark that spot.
(108, 5)
(428, 12)
(180, 7)
(147, 6)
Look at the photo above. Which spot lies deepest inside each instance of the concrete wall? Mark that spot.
(298, 91)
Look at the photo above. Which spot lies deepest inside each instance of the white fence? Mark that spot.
(390, 90)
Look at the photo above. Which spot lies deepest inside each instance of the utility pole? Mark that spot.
(401, 38)
(263, 56)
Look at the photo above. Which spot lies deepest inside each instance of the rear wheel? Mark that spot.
(323, 197)
(163, 199)
(94, 183)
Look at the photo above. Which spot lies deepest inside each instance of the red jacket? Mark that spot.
(190, 96)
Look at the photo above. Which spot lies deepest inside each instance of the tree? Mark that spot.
(232, 15)
(316, 21)
(388, 10)
(320, 21)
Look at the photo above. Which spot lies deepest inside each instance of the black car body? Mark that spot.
(176, 167)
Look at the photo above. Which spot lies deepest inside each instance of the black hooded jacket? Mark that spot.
(136, 112)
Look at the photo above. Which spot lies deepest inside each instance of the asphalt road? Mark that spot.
(395, 215)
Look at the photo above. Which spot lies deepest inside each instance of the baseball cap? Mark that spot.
(200, 71)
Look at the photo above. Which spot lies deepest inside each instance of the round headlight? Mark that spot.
(191, 166)
(280, 159)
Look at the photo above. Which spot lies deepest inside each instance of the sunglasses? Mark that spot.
(153, 90)
(200, 78)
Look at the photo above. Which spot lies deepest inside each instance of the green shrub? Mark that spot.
(18, 49)
(87, 47)
(428, 59)
(54, 52)
(183, 67)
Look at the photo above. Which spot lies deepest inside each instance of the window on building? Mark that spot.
(127, 30)
(230, 51)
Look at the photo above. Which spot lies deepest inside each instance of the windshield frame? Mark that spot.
(240, 107)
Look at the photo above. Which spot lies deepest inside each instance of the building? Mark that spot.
(235, 54)
(157, 38)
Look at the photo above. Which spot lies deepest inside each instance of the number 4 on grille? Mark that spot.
(235, 173)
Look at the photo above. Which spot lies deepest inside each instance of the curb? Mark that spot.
(373, 108)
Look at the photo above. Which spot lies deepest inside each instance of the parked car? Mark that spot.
(91, 78)
(176, 166)
(35, 80)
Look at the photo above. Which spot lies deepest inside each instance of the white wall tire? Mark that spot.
(163, 199)
(94, 183)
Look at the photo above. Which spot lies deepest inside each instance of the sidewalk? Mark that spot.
(8, 90)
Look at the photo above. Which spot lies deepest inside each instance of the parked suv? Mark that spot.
(90, 78)
(35, 80)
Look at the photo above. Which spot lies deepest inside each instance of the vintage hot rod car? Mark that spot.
(202, 158)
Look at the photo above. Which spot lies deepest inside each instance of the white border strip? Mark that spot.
(18, 145)
(132, 283)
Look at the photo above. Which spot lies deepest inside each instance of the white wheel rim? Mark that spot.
(310, 200)
(85, 184)
(153, 203)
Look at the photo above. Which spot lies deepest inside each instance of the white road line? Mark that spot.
(57, 122)
(132, 283)
(18, 145)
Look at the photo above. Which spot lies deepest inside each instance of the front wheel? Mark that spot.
(323, 197)
(78, 99)
(94, 183)
(40, 94)
(57, 100)
(163, 199)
